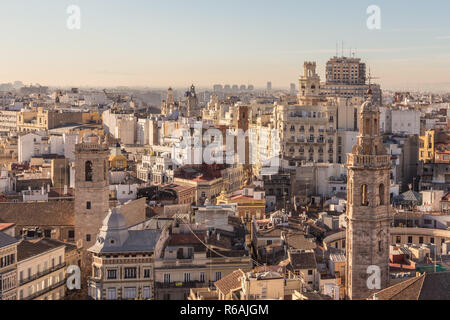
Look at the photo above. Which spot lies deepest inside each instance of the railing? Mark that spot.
(368, 160)
(41, 274)
(45, 290)
(181, 284)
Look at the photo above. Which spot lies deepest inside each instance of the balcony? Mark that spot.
(369, 160)
(180, 284)
(46, 290)
(41, 274)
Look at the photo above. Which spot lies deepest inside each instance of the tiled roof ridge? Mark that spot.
(411, 282)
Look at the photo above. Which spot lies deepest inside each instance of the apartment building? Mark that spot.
(188, 258)
(307, 133)
(122, 261)
(8, 121)
(41, 271)
(8, 267)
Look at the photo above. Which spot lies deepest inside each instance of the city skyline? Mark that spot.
(154, 44)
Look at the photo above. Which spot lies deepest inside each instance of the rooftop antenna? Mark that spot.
(342, 49)
(337, 49)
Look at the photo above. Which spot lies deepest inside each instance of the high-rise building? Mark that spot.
(269, 86)
(368, 215)
(346, 77)
(343, 70)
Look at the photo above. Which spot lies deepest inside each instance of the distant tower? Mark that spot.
(309, 85)
(168, 106)
(170, 97)
(269, 86)
(192, 107)
(368, 207)
(91, 189)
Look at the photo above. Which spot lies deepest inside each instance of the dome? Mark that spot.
(369, 105)
(114, 221)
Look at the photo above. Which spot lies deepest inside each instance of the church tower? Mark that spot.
(368, 209)
(91, 189)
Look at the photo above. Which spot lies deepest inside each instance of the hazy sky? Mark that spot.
(177, 42)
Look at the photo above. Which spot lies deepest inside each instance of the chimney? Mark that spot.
(42, 190)
(218, 236)
(48, 188)
(65, 189)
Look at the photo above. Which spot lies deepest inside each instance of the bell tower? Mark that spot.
(309, 85)
(368, 214)
(91, 189)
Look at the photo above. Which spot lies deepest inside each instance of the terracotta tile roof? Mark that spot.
(433, 286)
(4, 226)
(230, 282)
(52, 213)
(27, 249)
(303, 260)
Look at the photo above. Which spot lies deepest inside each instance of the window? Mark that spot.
(130, 293)
(410, 239)
(130, 273)
(88, 205)
(420, 240)
(432, 240)
(381, 193)
(71, 234)
(202, 277)
(310, 272)
(187, 277)
(364, 199)
(398, 239)
(146, 293)
(147, 273)
(167, 278)
(88, 170)
(112, 274)
(218, 276)
(111, 294)
(88, 238)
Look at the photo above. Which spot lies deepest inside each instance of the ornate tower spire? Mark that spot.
(368, 209)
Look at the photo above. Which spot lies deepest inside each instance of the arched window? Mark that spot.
(367, 128)
(88, 170)
(381, 194)
(364, 194)
(350, 193)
